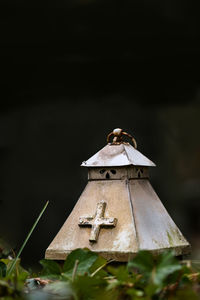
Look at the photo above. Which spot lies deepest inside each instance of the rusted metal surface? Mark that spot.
(97, 221)
(118, 155)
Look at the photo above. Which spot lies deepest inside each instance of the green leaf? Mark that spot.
(136, 293)
(22, 276)
(50, 267)
(151, 289)
(167, 264)
(21, 273)
(88, 287)
(122, 279)
(155, 269)
(186, 293)
(113, 284)
(84, 258)
(3, 269)
(97, 267)
(143, 261)
(121, 273)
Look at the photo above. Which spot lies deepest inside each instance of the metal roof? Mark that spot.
(118, 155)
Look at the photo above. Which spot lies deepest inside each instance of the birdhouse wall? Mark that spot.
(127, 172)
(141, 222)
(119, 242)
(155, 229)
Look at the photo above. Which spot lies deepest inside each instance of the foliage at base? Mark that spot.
(86, 275)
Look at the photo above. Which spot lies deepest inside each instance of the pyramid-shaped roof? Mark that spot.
(118, 155)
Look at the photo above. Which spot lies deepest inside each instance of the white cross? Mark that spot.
(97, 221)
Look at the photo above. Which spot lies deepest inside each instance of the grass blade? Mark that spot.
(26, 240)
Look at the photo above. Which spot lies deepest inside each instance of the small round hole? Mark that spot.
(102, 171)
(113, 171)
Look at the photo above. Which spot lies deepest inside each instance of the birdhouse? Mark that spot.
(118, 212)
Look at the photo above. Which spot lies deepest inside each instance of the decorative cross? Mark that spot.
(97, 221)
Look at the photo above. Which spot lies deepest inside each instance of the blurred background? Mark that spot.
(71, 71)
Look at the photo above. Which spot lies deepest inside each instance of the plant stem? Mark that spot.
(101, 267)
(75, 269)
(26, 240)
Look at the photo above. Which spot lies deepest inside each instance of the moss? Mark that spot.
(170, 239)
(174, 237)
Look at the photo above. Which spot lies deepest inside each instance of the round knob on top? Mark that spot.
(117, 131)
(117, 134)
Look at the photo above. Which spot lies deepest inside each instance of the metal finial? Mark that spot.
(118, 133)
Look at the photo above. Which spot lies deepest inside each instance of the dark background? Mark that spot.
(71, 71)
